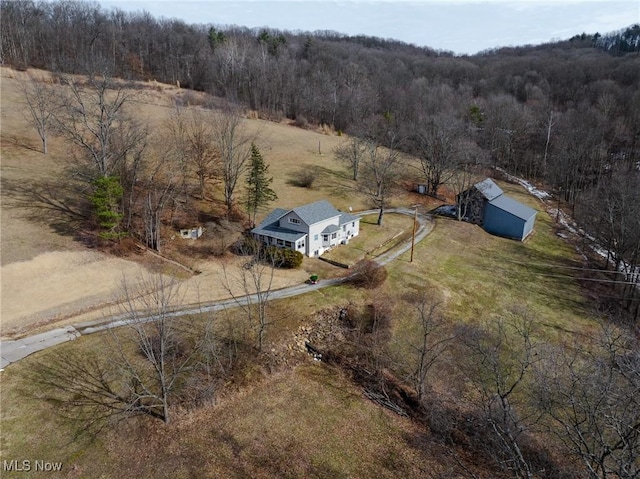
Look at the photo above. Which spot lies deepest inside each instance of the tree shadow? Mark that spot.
(464, 442)
(20, 142)
(58, 203)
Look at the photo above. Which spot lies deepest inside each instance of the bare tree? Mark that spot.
(234, 149)
(157, 194)
(177, 148)
(251, 286)
(38, 97)
(437, 143)
(379, 172)
(499, 362)
(430, 343)
(91, 116)
(591, 403)
(463, 177)
(549, 122)
(194, 143)
(609, 212)
(351, 153)
(147, 361)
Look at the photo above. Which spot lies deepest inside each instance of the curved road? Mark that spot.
(12, 351)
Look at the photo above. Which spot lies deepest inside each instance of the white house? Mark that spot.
(311, 229)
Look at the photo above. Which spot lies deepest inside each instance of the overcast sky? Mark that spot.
(461, 26)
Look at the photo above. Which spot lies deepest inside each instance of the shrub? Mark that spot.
(301, 122)
(304, 178)
(125, 247)
(283, 258)
(367, 274)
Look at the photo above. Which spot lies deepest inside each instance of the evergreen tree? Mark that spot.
(106, 200)
(257, 185)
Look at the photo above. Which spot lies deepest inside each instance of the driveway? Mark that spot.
(13, 351)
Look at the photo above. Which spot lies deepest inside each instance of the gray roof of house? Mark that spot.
(310, 214)
(272, 217)
(513, 207)
(316, 212)
(488, 189)
(331, 229)
(347, 218)
(270, 227)
(280, 233)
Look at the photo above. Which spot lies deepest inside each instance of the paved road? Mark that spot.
(12, 351)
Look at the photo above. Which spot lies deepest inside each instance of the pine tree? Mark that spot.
(106, 200)
(257, 185)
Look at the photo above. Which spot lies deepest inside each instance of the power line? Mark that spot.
(595, 280)
(558, 266)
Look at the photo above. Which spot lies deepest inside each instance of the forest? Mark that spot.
(544, 386)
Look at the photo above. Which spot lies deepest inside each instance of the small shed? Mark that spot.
(191, 233)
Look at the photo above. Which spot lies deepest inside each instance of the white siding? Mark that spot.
(316, 229)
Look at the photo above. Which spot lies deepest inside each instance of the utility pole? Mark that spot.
(413, 236)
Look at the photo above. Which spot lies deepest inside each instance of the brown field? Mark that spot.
(48, 276)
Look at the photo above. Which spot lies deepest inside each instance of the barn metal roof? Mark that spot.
(488, 189)
(513, 207)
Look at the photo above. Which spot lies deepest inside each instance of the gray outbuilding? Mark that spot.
(486, 204)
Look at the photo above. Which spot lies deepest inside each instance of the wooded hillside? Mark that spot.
(566, 114)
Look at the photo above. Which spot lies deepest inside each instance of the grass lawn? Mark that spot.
(480, 276)
(373, 240)
(306, 421)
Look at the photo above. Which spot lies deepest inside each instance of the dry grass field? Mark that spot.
(48, 276)
(297, 419)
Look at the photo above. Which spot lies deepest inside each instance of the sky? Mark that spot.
(460, 26)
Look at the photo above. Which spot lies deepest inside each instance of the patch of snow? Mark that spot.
(528, 186)
(630, 272)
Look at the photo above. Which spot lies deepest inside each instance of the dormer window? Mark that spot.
(295, 221)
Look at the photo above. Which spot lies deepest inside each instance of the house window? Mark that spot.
(295, 221)
(287, 244)
(325, 237)
(315, 238)
(280, 242)
(353, 225)
(334, 235)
